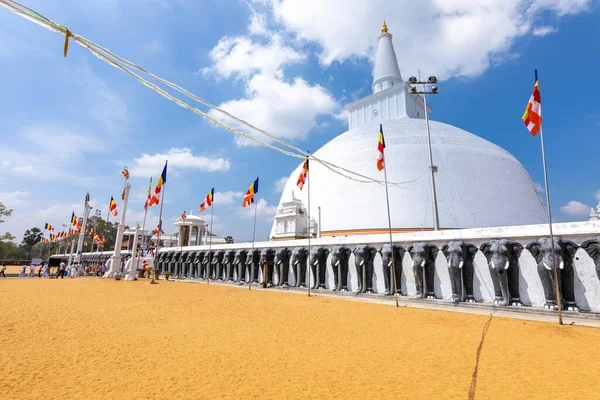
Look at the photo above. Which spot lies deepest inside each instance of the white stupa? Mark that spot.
(478, 183)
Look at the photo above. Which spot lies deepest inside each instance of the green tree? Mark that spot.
(4, 212)
(32, 237)
(228, 239)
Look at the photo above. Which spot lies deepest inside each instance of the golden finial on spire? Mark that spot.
(384, 27)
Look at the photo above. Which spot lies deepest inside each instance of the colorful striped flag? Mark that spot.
(161, 181)
(73, 219)
(49, 227)
(113, 207)
(158, 229)
(87, 198)
(249, 196)
(125, 173)
(182, 216)
(208, 201)
(80, 224)
(380, 147)
(533, 112)
(303, 175)
(147, 203)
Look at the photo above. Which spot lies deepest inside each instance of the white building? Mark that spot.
(478, 183)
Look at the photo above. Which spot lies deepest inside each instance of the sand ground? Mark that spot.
(104, 339)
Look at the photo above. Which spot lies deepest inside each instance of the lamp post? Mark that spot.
(432, 80)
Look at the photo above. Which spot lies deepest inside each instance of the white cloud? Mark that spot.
(179, 158)
(286, 110)
(539, 188)
(264, 211)
(154, 47)
(23, 168)
(575, 209)
(444, 37)
(228, 197)
(9, 199)
(544, 30)
(280, 184)
(242, 55)
(258, 25)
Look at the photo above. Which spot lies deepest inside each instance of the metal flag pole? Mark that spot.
(252, 251)
(432, 169)
(162, 201)
(143, 230)
(387, 199)
(212, 212)
(556, 288)
(309, 269)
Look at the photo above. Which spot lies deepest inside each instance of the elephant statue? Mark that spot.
(339, 263)
(267, 256)
(161, 263)
(299, 258)
(282, 265)
(190, 264)
(252, 261)
(206, 265)
(564, 251)
(217, 264)
(183, 265)
(460, 256)
(592, 247)
(503, 261)
(423, 258)
(364, 255)
(239, 264)
(173, 264)
(228, 263)
(386, 264)
(318, 265)
(198, 270)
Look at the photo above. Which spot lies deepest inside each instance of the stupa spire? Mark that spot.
(386, 72)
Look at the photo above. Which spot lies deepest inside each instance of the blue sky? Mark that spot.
(68, 126)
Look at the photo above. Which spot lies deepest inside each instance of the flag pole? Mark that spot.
(212, 211)
(556, 288)
(162, 201)
(252, 251)
(309, 269)
(143, 230)
(393, 266)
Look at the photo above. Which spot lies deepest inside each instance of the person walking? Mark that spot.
(2, 270)
(31, 271)
(45, 271)
(22, 271)
(61, 271)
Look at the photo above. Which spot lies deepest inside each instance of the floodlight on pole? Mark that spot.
(432, 168)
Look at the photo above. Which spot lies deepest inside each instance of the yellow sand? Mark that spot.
(103, 339)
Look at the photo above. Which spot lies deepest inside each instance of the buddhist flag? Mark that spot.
(49, 227)
(45, 241)
(125, 173)
(73, 219)
(208, 201)
(147, 203)
(161, 181)
(182, 216)
(303, 175)
(380, 147)
(96, 238)
(158, 228)
(113, 207)
(80, 224)
(249, 196)
(87, 198)
(533, 112)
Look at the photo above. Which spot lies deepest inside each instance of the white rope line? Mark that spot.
(109, 57)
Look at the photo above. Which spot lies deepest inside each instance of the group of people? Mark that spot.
(42, 271)
(73, 271)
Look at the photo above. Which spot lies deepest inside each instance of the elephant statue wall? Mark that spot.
(161, 263)
(299, 258)
(386, 265)
(564, 250)
(173, 264)
(460, 257)
(318, 265)
(364, 255)
(423, 258)
(592, 247)
(183, 264)
(267, 255)
(239, 263)
(217, 264)
(190, 265)
(206, 265)
(198, 269)
(503, 261)
(228, 263)
(339, 263)
(282, 265)
(252, 261)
